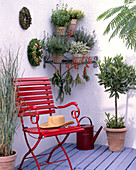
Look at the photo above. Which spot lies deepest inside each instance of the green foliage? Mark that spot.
(76, 14)
(35, 52)
(111, 122)
(123, 23)
(56, 45)
(60, 17)
(78, 48)
(77, 81)
(8, 110)
(84, 36)
(56, 79)
(68, 80)
(117, 77)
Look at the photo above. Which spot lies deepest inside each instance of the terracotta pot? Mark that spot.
(77, 58)
(116, 138)
(8, 162)
(57, 58)
(72, 26)
(60, 30)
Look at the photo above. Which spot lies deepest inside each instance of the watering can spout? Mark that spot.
(96, 135)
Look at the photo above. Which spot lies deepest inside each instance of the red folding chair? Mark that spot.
(34, 98)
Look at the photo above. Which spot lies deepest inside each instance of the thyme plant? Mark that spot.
(8, 110)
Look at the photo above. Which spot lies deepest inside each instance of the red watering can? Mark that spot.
(86, 138)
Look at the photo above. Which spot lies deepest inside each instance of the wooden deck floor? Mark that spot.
(100, 158)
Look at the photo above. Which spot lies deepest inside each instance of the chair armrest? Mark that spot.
(73, 112)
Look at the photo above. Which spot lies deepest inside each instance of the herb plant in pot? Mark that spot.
(84, 36)
(61, 19)
(56, 46)
(75, 15)
(78, 49)
(117, 77)
(8, 110)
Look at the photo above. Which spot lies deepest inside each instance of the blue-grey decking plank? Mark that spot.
(133, 165)
(128, 160)
(108, 161)
(80, 156)
(60, 155)
(120, 159)
(65, 163)
(99, 160)
(31, 162)
(91, 158)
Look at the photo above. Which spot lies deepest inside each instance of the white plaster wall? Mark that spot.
(92, 99)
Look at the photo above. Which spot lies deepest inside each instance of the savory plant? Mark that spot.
(76, 14)
(84, 36)
(60, 17)
(8, 110)
(117, 77)
(78, 48)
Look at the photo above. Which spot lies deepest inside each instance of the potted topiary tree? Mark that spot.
(117, 77)
(8, 110)
(60, 18)
(75, 15)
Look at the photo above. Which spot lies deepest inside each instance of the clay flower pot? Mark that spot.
(57, 58)
(8, 162)
(72, 26)
(60, 30)
(116, 138)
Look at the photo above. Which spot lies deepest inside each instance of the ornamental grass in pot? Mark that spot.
(117, 77)
(56, 46)
(8, 110)
(60, 19)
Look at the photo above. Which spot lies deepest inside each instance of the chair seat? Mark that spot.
(54, 132)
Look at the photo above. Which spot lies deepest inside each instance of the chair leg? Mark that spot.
(60, 145)
(30, 151)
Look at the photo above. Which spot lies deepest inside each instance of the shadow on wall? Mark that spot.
(130, 117)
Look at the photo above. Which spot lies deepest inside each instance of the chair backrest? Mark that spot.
(37, 92)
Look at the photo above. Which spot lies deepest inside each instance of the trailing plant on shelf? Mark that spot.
(8, 109)
(60, 17)
(117, 77)
(84, 36)
(76, 14)
(123, 22)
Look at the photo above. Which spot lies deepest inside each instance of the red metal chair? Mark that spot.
(34, 98)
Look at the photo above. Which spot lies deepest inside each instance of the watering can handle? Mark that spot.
(87, 118)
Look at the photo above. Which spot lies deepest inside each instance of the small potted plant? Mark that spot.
(56, 46)
(84, 36)
(78, 49)
(60, 18)
(75, 15)
(117, 77)
(8, 110)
